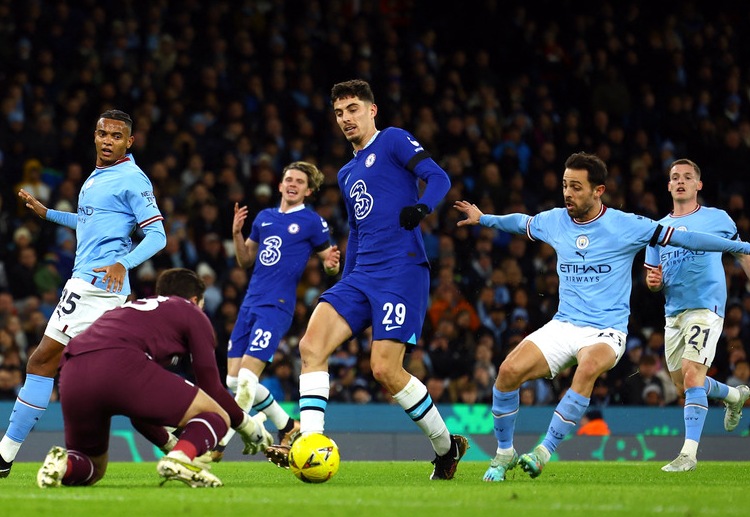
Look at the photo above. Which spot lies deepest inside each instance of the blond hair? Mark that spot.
(314, 176)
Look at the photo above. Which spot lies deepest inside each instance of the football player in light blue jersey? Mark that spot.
(114, 200)
(595, 248)
(280, 244)
(695, 291)
(386, 277)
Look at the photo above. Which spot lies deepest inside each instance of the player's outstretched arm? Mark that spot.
(511, 223)
(33, 203)
(470, 210)
(698, 241)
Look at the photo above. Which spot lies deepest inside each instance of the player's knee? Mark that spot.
(42, 366)
(311, 352)
(386, 375)
(45, 360)
(509, 376)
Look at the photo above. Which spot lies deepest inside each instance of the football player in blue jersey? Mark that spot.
(279, 246)
(115, 199)
(595, 248)
(695, 291)
(385, 282)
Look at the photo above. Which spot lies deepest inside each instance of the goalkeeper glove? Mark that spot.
(254, 434)
(411, 215)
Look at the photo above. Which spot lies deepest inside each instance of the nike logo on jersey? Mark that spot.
(266, 224)
(417, 145)
(392, 327)
(255, 348)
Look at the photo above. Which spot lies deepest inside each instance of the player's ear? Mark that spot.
(700, 185)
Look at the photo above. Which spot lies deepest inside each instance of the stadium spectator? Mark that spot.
(593, 424)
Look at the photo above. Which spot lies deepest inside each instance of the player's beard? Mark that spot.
(577, 212)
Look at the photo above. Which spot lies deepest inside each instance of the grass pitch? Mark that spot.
(395, 489)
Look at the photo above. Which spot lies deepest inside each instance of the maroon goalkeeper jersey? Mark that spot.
(164, 329)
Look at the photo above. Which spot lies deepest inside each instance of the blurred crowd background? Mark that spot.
(225, 93)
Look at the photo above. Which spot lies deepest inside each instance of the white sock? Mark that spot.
(314, 388)
(9, 448)
(232, 382)
(543, 453)
(246, 386)
(733, 396)
(247, 382)
(417, 403)
(273, 411)
(690, 447)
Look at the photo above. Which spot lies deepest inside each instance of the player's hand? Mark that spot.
(470, 210)
(240, 214)
(655, 278)
(114, 276)
(410, 216)
(33, 203)
(332, 260)
(254, 434)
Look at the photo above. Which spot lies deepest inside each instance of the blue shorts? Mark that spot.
(258, 331)
(393, 301)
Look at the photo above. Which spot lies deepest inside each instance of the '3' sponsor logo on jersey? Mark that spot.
(271, 252)
(362, 199)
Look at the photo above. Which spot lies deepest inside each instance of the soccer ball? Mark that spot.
(314, 458)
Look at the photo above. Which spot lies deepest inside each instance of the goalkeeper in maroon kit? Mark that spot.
(118, 366)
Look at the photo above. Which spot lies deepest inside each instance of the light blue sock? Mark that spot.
(567, 415)
(715, 389)
(504, 412)
(695, 411)
(32, 401)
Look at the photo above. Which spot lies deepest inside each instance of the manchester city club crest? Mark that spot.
(582, 242)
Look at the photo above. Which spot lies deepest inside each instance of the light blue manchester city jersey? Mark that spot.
(113, 201)
(694, 279)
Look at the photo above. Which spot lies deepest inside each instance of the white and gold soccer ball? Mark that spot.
(314, 458)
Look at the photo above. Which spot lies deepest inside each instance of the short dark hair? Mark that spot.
(180, 282)
(685, 161)
(355, 88)
(596, 168)
(119, 115)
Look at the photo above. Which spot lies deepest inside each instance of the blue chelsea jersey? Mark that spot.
(376, 185)
(693, 279)
(285, 242)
